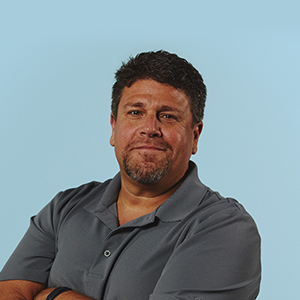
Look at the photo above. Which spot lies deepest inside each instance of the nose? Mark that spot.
(151, 127)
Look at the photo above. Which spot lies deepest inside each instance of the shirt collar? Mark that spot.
(187, 197)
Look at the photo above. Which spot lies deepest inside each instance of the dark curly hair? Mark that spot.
(164, 67)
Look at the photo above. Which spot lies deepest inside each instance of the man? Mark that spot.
(154, 231)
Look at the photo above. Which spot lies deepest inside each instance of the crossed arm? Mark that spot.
(29, 290)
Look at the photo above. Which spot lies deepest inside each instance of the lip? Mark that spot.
(148, 147)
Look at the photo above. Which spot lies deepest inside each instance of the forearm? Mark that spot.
(11, 295)
(68, 295)
(19, 289)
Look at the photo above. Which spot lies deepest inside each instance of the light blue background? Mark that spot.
(57, 67)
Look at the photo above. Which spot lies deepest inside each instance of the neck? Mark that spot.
(136, 199)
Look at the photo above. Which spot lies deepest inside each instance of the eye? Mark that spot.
(134, 112)
(169, 117)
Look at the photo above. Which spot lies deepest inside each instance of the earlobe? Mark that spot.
(112, 123)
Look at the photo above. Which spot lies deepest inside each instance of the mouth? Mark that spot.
(149, 147)
(155, 146)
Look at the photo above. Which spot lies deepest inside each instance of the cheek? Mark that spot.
(182, 142)
(123, 135)
(176, 139)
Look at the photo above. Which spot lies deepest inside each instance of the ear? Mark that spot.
(113, 124)
(197, 131)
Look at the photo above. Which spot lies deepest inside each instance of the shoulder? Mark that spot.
(214, 204)
(81, 194)
(70, 200)
(222, 217)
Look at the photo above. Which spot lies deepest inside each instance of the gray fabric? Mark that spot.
(196, 245)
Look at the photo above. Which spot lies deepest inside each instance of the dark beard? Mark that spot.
(144, 172)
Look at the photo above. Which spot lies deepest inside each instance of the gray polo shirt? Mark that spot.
(196, 245)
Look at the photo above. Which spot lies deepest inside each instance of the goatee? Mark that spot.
(147, 172)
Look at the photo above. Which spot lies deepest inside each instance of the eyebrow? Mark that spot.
(133, 104)
(169, 108)
(141, 104)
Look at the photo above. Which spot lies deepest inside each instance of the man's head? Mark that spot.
(156, 119)
(162, 67)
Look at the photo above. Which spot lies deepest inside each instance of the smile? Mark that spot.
(149, 147)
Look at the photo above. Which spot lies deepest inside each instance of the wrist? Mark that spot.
(56, 292)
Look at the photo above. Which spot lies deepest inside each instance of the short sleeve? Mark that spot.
(219, 260)
(33, 257)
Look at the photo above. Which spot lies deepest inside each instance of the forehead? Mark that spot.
(151, 91)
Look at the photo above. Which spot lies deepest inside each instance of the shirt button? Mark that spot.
(107, 253)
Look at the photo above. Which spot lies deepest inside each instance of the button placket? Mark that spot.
(106, 246)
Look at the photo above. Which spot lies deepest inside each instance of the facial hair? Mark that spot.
(148, 171)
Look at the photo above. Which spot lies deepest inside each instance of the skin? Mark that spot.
(29, 290)
(19, 289)
(153, 127)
